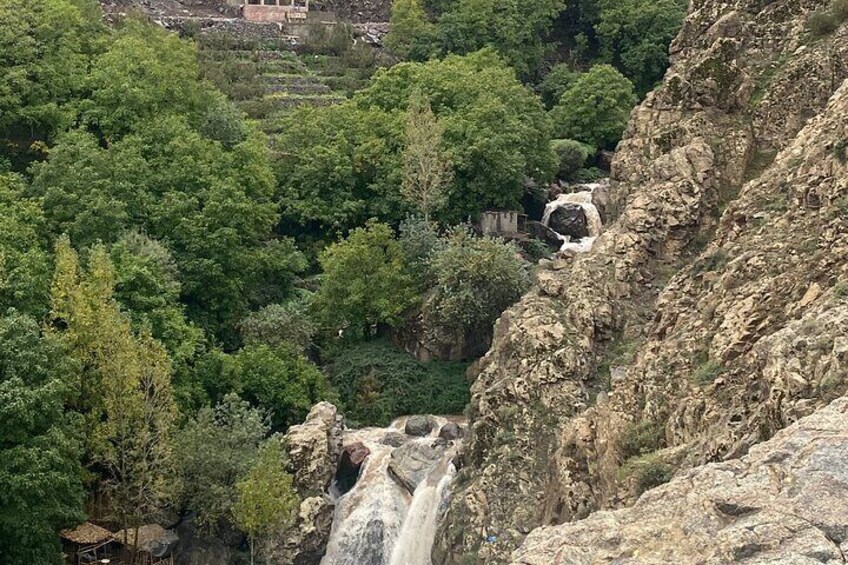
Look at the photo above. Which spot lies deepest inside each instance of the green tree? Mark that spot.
(572, 156)
(24, 261)
(45, 50)
(39, 455)
(267, 499)
(365, 281)
(556, 82)
(212, 452)
(124, 389)
(477, 278)
(411, 36)
(515, 28)
(595, 109)
(635, 35)
(427, 170)
(280, 324)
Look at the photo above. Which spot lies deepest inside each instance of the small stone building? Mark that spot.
(501, 223)
(282, 11)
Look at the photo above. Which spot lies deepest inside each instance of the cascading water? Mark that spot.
(378, 522)
(584, 199)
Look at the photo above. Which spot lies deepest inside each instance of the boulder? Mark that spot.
(543, 233)
(451, 432)
(350, 463)
(411, 463)
(420, 426)
(601, 200)
(570, 220)
(313, 448)
(394, 439)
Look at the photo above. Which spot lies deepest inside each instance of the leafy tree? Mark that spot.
(266, 497)
(45, 49)
(342, 164)
(39, 455)
(515, 28)
(635, 35)
(595, 109)
(280, 324)
(24, 261)
(212, 452)
(477, 278)
(278, 380)
(124, 389)
(411, 36)
(365, 281)
(147, 286)
(426, 169)
(572, 156)
(557, 81)
(418, 240)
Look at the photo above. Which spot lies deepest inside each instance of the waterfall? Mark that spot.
(584, 199)
(378, 522)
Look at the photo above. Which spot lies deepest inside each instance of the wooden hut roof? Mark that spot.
(86, 534)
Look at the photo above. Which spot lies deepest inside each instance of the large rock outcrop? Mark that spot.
(313, 449)
(784, 502)
(712, 311)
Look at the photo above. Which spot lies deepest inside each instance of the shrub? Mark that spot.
(647, 472)
(378, 382)
(560, 78)
(572, 156)
(278, 324)
(826, 21)
(641, 438)
(707, 373)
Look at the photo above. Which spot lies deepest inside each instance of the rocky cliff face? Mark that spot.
(711, 313)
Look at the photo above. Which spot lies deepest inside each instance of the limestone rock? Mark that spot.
(451, 432)
(419, 426)
(570, 220)
(786, 501)
(314, 447)
(411, 463)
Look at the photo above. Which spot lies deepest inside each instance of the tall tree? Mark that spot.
(427, 170)
(124, 388)
(411, 36)
(40, 471)
(266, 497)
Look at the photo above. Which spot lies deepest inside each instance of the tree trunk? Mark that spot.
(251, 550)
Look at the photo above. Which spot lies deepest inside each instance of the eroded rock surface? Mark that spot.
(784, 502)
(712, 310)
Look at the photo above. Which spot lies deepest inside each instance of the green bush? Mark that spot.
(647, 471)
(641, 438)
(572, 156)
(707, 372)
(560, 78)
(378, 382)
(826, 21)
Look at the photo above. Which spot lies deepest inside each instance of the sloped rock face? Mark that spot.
(746, 338)
(313, 449)
(786, 501)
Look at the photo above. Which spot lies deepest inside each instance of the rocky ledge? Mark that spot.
(784, 502)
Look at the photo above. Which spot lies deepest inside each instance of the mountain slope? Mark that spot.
(607, 377)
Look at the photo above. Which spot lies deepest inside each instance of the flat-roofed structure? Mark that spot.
(276, 10)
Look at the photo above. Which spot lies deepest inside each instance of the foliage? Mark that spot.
(595, 109)
(45, 49)
(647, 472)
(266, 496)
(418, 239)
(641, 438)
(39, 455)
(556, 82)
(277, 380)
(411, 37)
(572, 156)
(365, 282)
(279, 324)
(378, 383)
(707, 372)
(342, 164)
(515, 28)
(477, 278)
(426, 168)
(213, 451)
(635, 35)
(827, 20)
(147, 286)
(124, 389)
(24, 260)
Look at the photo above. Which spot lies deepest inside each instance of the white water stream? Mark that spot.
(593, 217)
(378, 522)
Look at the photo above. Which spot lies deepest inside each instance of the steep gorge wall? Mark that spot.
(743, 147)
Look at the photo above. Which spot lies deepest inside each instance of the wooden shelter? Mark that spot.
(88, 542)
(154, 545)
